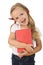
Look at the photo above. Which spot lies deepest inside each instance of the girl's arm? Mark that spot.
(15, 43)
(38, 46)
(35, 50)
(18, 44)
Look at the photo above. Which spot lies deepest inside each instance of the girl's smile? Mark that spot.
(23, 20)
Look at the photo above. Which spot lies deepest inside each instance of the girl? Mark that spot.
(23, 20)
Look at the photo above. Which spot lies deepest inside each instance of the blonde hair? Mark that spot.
(31, 24)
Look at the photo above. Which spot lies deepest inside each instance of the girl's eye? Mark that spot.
(21, 14)
(16, 17)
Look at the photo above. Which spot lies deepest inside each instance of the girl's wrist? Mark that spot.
(25, 45)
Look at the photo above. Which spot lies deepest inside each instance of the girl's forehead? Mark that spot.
(18, 10)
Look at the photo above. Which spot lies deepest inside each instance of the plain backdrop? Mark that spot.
(36, 10)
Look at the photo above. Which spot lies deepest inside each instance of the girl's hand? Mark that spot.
(29, 48)
(25, 53)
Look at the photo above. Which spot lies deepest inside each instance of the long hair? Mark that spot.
(31, 23)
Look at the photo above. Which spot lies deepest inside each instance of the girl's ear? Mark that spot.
(10, 18)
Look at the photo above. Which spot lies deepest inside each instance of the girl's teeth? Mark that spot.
(23, 20)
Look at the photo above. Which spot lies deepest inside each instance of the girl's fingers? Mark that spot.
(31, 44)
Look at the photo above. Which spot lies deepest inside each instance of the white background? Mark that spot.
(36, 11)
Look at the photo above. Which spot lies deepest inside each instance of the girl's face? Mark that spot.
(20, 16)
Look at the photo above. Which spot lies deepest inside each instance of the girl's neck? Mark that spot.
(23, 26)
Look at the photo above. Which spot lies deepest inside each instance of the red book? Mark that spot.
(25, 36)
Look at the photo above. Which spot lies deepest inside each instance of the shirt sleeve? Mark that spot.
(13, 28)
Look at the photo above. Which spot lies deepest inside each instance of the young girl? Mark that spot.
(23, 20)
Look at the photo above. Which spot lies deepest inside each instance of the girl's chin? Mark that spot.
(23, 24)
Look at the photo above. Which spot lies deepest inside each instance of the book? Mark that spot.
(25, 36)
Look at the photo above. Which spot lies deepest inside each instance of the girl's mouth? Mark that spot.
(23, 21)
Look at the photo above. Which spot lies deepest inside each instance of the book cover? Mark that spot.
(25, 36)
